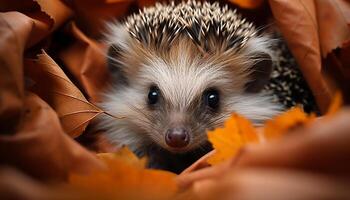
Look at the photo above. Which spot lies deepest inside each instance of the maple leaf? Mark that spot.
(127, 178)
(279, 125)
(227, 141)
(239, 131)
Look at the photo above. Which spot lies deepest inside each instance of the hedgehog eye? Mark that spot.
(153, 95)
(211, 98)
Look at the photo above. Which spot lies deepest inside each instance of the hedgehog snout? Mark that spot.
(177, 137)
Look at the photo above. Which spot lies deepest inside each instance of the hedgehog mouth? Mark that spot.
(181, 150)
(176, 162)
(201, 148)
(192, 147)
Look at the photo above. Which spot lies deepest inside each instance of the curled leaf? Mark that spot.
(56, 10)
(237, 132)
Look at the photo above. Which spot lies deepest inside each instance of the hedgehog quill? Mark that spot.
(179, 70)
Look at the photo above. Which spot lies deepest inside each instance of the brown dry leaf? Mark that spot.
(269, 183)
(51, 83)
(86, 61)
(333, 19)
(56, 10)
(41, 148)
(45, 16)
(297, 21)
(39, 22)
(126, 178)
(145, 3)
(18, 31)
(337, 66)
(227, 141)
(11, 68)
(91, 15)
(250, 4)
(293, 118)
(312, 30)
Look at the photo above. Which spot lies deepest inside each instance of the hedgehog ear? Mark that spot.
(261, 71)
(115, 67)
(117, 38)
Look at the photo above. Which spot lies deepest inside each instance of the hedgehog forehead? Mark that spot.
(182, 82)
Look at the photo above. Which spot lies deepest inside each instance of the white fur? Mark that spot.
(256, 107)
(120, 131)
(259, 44)
(183, 80)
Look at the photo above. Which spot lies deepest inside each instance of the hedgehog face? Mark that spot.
(172, 81)
(172, 98)
(182, 99)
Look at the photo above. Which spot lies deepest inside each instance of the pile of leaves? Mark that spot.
(53, 69)
(126, 177)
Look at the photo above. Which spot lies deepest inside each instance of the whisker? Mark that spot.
(148, 117)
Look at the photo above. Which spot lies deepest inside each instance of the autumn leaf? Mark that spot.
(126, 156)
(336, 104)
(237, 132)
(52, 84)
(251, 4)
(86, 61)
(127, 178)
(293, 118)
(57, 11)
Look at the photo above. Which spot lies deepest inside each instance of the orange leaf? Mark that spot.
(52, 84)
(126, 178)
(248, 3)
(124, 155)
(336, 103)
(292, 118)
(237, 132)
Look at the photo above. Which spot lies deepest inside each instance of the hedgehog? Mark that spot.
(179, 70)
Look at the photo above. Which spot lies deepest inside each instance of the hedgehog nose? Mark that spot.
(177, 137)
